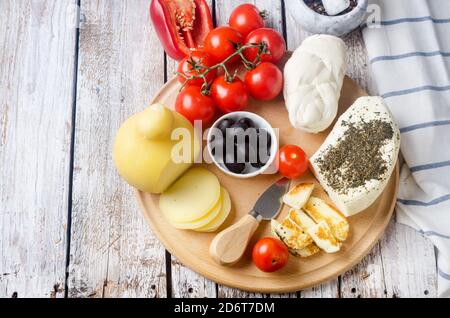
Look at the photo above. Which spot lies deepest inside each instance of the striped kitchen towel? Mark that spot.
(409, 54)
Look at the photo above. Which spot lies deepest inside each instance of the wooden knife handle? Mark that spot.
(229, 245)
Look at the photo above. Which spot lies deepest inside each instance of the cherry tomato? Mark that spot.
(229, 97)
(195, 64)
(270, 254)
(246, 18)
(292, 161)
(274, 41)
(219, 43)
(193, 105)
(265, 82)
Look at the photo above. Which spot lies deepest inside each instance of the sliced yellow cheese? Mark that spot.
(191, 197)
(298, 196)
(205, 220)
(321, 211)
(221, 217)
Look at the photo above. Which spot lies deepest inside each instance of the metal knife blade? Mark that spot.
(270, 202)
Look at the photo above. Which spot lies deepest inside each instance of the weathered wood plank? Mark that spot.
(113, 253)
(37, 53)
(326, 290)
(185, 282)
(189, 284)
(409, 263)
(365, 280)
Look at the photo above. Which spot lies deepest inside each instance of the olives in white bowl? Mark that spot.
(242, 144)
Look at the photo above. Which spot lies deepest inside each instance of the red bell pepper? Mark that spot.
(181, 25)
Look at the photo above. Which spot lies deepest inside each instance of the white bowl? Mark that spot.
(260, 123)
(337, 25)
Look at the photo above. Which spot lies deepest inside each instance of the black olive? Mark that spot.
(233, 160)
(241, 125)
(247, 122)
(235, 167)
(224, 124)
(258, 164)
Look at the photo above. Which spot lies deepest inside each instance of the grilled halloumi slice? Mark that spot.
(295, 246)
(319, 211)
(301, 219)
(322, 236)
(298, 195)
(291, 235)
(308, 251)
(320, 232)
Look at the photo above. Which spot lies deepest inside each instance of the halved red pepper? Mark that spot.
(181, 25)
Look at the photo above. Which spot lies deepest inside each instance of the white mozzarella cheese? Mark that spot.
(313, 80)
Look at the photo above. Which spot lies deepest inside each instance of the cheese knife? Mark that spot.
(229, 245)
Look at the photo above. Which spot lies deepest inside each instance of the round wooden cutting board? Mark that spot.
(191, 248)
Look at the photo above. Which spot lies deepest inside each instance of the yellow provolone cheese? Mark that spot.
(191, 197)
(203, 221)
(222, 216)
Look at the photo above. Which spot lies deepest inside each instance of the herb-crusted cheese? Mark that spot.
(357, 159)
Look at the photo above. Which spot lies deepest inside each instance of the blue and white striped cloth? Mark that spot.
(409, 56)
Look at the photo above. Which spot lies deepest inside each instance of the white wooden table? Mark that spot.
(69, 226)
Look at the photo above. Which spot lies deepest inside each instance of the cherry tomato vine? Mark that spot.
(202, 71)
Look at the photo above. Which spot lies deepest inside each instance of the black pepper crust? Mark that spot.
(356, 157)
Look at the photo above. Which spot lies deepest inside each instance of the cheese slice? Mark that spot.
(291, 235)
(298, 196)
(205, 220)
(322, 236)
(320, 232)
(191, 197)
(297, 242)
(308, 251)
(225, 210)
(301, 219)
(349, 177)
(319, 211)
